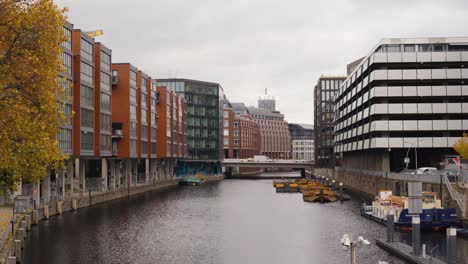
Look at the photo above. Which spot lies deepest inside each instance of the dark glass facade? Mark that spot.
(204, 116)
(324, 114)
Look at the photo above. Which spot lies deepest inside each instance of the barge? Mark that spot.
(433, 216)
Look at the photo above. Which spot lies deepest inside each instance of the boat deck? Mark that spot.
(405, 252)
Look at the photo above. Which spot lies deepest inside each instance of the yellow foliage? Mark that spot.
(31, 34)
(462, 146)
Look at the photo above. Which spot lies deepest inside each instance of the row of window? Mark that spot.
(421, 48)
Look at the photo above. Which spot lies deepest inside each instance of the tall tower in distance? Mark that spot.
(267, 102)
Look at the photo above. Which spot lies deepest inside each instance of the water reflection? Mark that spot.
(233, 221)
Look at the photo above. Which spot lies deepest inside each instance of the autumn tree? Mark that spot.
(462, 146)
(31, 33)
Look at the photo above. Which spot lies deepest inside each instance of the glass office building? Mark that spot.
(204, 116)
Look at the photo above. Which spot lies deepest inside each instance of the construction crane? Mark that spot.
(95, 33)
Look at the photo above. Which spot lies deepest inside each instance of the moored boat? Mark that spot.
(193, 181)
(433, 216)
(320, 194)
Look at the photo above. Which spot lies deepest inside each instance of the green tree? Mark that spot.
(31, 33)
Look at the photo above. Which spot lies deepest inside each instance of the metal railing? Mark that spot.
(460, 199)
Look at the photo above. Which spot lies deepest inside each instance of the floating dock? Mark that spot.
(405, 252)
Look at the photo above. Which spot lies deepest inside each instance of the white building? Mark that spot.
(406, 95)
(302, 141)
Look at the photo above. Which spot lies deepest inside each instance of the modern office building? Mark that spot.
(205, 124)
(171, 125)
(302, 141)
(406, 95)
(132, 128)
(324, 94)
(275, 137)
(267, 102)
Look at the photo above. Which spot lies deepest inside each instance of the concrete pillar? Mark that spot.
(128, 172)
(76, 175)
(82, 176)
(390, 226)
(28, 222)
(36, 194)
(147, 171)
(451, 245)
(416, 235)
(17, 249)
(20, 234)
(59, 207)
(104, 174)
(386, 160)
(35, 217)
(113, 170)
(24, 225)
(46, 188)
(46, 211)
(11, 260)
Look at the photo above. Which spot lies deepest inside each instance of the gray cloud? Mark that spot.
(250, 45)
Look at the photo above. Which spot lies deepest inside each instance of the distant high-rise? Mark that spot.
(324, 94)
(267, 102)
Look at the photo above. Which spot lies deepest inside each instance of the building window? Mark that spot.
(105, 82)
(133, 146)
(64, 139)
(144, 99)
(67, 62)
(153, 148)
(236, 142)
(133, 77)
(86, 140)
(105, 102)
(133, 112)
(87, 118)
(86, 50)
(133, 129)
(153, 133)
(105, 123)
(153, 119)
(226, 114)
(235, 124)
(105, 61)
(144, 131)
(226, 132)
(226, 141)
(133, 95)
(143, 116)
(67, 44)
(87, 96)
(226, 123)
(236, 133)
(144, 147)
(409, 48)
(106, 143)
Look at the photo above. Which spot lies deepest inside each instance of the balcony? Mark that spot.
(115, 80)
(117, 130)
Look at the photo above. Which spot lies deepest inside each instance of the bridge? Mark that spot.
(270, 163)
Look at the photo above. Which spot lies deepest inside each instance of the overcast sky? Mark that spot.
(250, 45)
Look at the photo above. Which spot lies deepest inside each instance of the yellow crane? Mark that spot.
(95, 33)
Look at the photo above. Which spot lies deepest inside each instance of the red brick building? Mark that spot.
(172, 126)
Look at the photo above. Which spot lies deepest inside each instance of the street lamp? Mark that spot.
(348, 242)
(415, 154)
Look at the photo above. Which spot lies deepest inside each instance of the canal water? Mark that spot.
(232, 221)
